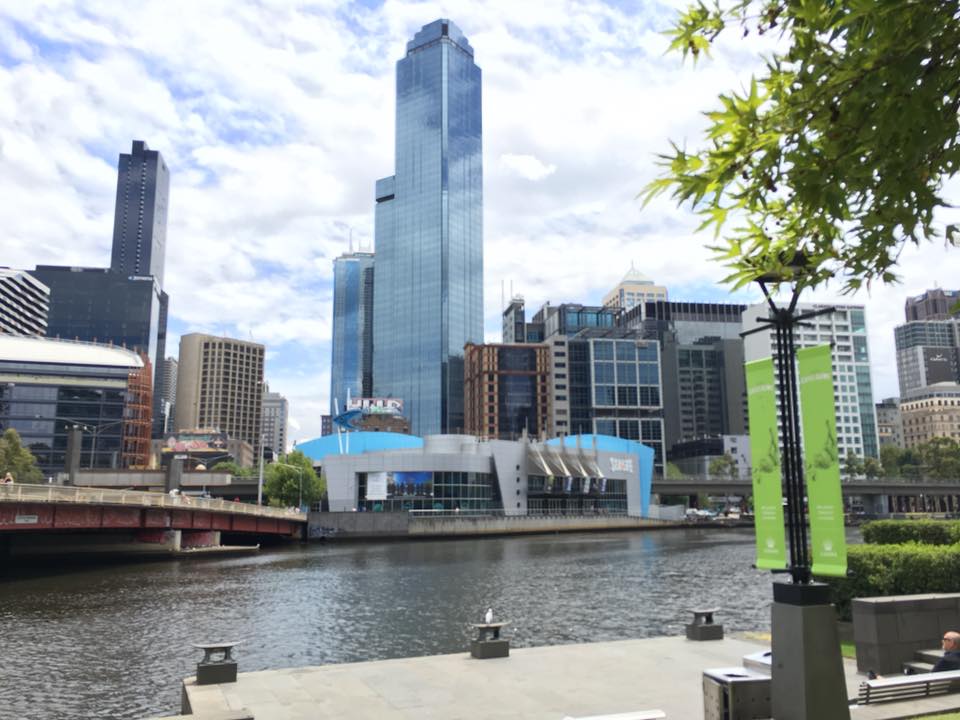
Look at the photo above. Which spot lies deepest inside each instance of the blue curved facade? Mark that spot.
(360, 442)
(608, 443)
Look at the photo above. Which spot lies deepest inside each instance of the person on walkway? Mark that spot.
(7, 479)
(951, 653)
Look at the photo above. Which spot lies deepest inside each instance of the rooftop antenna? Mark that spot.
(351, 240)
(503, 304)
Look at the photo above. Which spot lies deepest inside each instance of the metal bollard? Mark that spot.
(488, 643)
(215, 670)
(703, 627)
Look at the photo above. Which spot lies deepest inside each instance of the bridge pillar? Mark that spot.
(874, 504)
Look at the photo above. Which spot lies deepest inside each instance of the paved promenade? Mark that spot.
(544, 683)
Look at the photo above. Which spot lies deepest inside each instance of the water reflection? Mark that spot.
(114, 641)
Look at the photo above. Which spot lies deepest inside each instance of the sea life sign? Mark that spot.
(767, 493)
(821, 463)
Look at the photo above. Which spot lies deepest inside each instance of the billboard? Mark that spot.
(376, 486)
(200, 440)
(376, 406)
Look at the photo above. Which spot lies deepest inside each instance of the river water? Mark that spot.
(114, 641)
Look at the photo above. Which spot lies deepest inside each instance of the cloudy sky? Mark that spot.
(276, 120)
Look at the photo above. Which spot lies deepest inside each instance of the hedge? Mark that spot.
(925, 532)
(908, 569)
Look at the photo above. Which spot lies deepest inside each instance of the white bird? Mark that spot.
(488, 617)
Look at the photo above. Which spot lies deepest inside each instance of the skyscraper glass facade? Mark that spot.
(428, 297)
(352, 329)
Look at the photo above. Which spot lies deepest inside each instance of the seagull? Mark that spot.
(488, 617)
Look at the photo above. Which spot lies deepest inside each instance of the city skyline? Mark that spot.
(262, 201)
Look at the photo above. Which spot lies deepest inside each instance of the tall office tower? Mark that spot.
(845, 330)
(934, 304)
(140, 214)
(125, 305)
(352, 347)
(276, 412)
(428, 297)
(634, 290)
(704, 390)
(168, 386)
(220, 386)
(890, 422)
(928, 352)
(24, 303)
(506, 390)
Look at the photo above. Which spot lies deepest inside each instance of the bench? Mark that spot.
(908, 687)
(639, 715)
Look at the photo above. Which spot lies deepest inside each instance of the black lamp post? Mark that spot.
(806, 667)
(783, 320)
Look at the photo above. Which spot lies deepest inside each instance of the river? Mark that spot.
(114, 641)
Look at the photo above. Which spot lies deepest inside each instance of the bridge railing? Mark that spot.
(18, 492)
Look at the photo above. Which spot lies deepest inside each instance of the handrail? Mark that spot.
(22, 492)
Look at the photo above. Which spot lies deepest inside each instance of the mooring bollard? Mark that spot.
(703, 627)
(488, 643)
(215, 670)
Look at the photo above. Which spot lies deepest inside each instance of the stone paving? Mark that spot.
(543, 683)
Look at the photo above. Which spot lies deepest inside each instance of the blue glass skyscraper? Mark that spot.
(351, 365)
(428, 299)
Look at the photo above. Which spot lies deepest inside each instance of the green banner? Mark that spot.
(767, 494)
(821, 465)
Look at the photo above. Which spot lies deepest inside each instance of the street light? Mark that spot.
(299, 477)
(94, 430)
(803, 683)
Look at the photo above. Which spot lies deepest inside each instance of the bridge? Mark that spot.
(55, 519)
(901, 493)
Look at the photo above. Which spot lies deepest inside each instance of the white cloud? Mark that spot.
(527, 166)
(276, 120)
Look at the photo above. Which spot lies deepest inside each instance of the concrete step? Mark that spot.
(929, 656)
(915, 667)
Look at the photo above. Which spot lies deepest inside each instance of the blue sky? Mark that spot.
(275, 121)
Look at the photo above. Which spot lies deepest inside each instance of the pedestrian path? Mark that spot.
(543, 683)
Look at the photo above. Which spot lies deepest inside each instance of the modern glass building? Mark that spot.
(352, 347)
(428, 298)
(49, 386)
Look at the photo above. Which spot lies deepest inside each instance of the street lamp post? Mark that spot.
(94, 430)
(806, 681)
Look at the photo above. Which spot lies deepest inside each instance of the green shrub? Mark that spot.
(907, 569)
(926, 532)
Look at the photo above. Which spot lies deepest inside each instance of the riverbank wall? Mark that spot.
(376, 526)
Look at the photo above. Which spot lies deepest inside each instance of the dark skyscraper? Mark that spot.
(140, 215)
(428, 294)
(124, 305)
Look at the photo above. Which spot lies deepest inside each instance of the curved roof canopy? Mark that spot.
(32, 349)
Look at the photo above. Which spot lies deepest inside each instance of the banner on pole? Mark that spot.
(821, 463)
(767, 492)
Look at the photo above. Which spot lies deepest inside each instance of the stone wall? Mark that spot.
(363, 525)
(888, 630)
